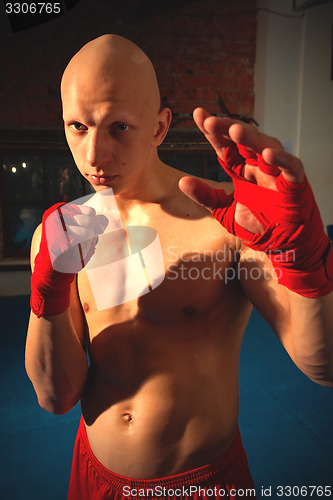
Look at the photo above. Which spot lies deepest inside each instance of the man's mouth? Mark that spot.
(102, 180)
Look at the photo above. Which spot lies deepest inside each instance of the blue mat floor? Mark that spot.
(286, 420)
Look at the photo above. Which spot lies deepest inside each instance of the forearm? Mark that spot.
(55, 362)
(312, 336)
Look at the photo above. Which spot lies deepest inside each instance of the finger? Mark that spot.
(72, 213)
(249, 136)
(214, 128)
(199, 116)
(199, 191)
(88, 227)
(79, 234)
(85, 209)
(271, 150)
(85, 220)
(291, 167)
(221, 131)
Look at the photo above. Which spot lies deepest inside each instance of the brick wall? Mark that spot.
(201, 50)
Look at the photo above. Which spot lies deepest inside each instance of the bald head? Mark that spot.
(114, 65)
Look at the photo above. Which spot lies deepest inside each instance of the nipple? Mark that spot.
(189, 310)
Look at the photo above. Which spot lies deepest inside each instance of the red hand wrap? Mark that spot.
(294, 237)
(50, 289)
(252, 158)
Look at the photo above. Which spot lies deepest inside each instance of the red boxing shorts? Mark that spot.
(228, 477)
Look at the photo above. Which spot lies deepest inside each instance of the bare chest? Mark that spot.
(160, 272)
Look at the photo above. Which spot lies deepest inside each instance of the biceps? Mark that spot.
(256, 273)
(259, 282)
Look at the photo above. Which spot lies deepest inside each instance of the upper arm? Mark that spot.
(259, 282)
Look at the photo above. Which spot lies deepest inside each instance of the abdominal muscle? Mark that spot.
(163, 399)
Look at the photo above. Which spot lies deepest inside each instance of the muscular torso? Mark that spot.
(162, 390)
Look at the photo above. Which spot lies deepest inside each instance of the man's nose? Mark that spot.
(98, 151)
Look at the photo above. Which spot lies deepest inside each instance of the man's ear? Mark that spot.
(162, 125)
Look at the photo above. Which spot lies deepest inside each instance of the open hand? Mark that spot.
(224, 134)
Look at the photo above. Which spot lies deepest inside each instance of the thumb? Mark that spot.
(200, 192)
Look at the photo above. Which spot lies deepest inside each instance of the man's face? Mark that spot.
(110, 128)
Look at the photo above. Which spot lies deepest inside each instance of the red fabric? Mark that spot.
(294, 237)
(227, 475)
(226, 214)
(256, 159)
(50, 289)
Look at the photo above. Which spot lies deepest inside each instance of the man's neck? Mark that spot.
(154, 188)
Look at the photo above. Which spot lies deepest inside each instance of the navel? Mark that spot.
(86, 307)
(128, 418)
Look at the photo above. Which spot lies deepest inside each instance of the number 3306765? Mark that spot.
(33, 8)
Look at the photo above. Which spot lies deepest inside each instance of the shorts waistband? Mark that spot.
(191, 477)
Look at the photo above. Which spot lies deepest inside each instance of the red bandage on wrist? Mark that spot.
(294, 237)
(50, 289)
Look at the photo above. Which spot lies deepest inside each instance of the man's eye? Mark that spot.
(122, 127)
(77, 126)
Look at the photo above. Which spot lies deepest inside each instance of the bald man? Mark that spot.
(160, 396)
